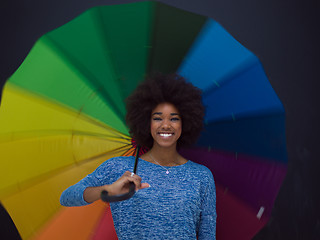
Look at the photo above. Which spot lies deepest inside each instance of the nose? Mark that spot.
(166, 124)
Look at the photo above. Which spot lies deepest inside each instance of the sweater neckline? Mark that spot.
(154, 164)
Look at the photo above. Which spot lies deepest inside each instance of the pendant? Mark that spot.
(167, 172)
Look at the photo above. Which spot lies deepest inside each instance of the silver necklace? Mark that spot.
(167, 172)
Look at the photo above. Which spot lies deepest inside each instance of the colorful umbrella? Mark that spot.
(63, 111)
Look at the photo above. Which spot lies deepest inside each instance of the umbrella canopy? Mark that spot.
(63, 111)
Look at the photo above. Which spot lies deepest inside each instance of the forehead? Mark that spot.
(165, 108)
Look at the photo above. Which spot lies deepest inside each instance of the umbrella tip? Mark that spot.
(261, 210)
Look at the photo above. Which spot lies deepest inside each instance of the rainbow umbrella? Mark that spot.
(63, 111)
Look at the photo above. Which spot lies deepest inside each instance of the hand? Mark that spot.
(122, 185)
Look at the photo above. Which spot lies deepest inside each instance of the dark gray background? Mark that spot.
(283, 34)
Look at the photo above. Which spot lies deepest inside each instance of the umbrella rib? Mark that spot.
(119, 149)
(87, 75)
(43, 133)
(43, 177)
(101, 135)
(77, 112)
(97, 123)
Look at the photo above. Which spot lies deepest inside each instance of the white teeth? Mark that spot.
(166, 134)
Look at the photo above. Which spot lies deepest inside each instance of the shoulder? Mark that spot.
(114, 164)
(201, 172)
(201, 169)
(118, 160)
(111, 169)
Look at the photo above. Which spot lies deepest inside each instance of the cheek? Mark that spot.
(153, 128)
(179, 128)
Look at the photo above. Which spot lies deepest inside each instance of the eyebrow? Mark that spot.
(160, 113)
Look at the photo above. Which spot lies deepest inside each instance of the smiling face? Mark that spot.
(166, 125)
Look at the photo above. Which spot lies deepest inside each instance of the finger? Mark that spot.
(125, 178)
(144, 185)
(125, 175)
(136, 180)
(131, 177)
(137, 177)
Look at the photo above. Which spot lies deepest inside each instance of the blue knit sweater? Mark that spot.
(178, 205)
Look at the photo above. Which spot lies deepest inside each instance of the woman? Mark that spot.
(177, 197)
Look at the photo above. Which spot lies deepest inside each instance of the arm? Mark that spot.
(119, 187)
(207, 225)
(73, 195)
(89, 189)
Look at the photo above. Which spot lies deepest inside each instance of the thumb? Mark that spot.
(144, 185)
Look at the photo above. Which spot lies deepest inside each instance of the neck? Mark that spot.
(165, 156)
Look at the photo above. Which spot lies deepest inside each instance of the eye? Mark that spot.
(157, 119)
(175, 119)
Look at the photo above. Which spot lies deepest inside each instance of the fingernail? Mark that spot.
(149, 185)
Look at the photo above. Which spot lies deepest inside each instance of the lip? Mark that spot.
(165, 134)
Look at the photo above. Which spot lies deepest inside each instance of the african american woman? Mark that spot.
(175, 198)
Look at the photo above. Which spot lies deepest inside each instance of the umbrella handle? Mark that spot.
(132, 188)
(116, 198)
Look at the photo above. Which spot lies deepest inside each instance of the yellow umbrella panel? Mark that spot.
(46, 147)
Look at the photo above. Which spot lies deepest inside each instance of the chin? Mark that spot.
(165, 144)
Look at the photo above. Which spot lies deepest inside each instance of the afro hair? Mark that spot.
(162, 88)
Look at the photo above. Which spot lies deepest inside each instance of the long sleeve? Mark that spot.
(73, 196)
(207, 225)
(106, 173)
